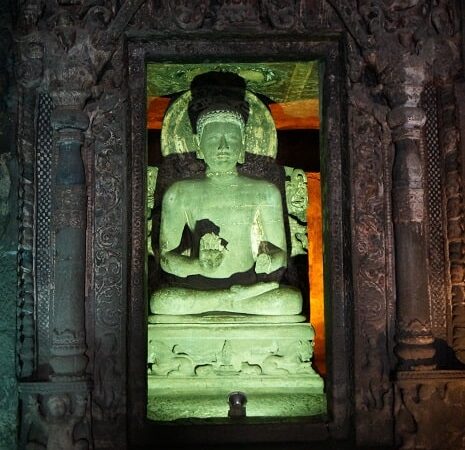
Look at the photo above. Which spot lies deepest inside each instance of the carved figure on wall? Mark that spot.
(29, 68)
(222, 236)
(57, 421)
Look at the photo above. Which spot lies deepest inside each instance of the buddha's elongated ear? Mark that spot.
(198, 152)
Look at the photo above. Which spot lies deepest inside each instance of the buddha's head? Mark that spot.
(218, 114)
(221, 140)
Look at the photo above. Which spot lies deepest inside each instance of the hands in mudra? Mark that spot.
(263, 263)
(211, 251)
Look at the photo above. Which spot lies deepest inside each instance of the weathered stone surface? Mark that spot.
(270, 363)
(378, 39)
(417, 395)
(15, 278)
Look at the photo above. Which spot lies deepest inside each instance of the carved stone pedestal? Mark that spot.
(195, 365)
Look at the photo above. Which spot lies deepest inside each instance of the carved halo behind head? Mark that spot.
(177, 135)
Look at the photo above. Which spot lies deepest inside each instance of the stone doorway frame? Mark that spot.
(336, 181)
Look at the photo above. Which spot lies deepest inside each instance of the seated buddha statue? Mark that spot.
(222, 241)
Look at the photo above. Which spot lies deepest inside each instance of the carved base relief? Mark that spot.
(193, 367)
(430, 410)
(55, 416)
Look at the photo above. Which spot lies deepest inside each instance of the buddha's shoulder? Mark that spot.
(262, 186)
(186, 184)
(183, 187)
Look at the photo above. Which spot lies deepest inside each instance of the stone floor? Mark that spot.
(327, 445)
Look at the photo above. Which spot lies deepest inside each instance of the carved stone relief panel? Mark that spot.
(417, 395)
(372, 238)
(76, 55)
(9, 207)
(452, 153)
(237, 16)
(108, 291)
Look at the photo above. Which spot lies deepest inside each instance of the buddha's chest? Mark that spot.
(226, 201)
(226, 214)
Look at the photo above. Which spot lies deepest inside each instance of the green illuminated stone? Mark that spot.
(152, 173)
(194, 367)
(280, 81)
(248, 215)
(177, 135)
(205, 342)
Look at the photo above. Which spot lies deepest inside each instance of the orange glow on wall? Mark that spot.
(315, 267)
(297, 115)
(156, 107)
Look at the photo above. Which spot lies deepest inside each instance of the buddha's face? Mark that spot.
(221, 145)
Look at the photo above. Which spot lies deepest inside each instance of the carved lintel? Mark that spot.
(188, 15)
(240, 13)
(69, 2)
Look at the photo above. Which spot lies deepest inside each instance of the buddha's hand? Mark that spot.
(263, 263)
(211, 251)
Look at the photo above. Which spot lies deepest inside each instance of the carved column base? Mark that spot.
(68, 362)
(415, 347)
(55, 415)
(430, 410)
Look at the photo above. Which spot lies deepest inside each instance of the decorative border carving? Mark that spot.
(435, 231)
(44, 250)
(455, 215)
(372, 266)
(108, 172)
(26, 288)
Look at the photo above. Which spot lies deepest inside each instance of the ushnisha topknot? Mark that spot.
(216, 94)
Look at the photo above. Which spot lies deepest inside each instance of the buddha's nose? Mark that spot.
(223, 143)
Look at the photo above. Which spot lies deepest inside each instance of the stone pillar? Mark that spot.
(69, 209)
(413, 332)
